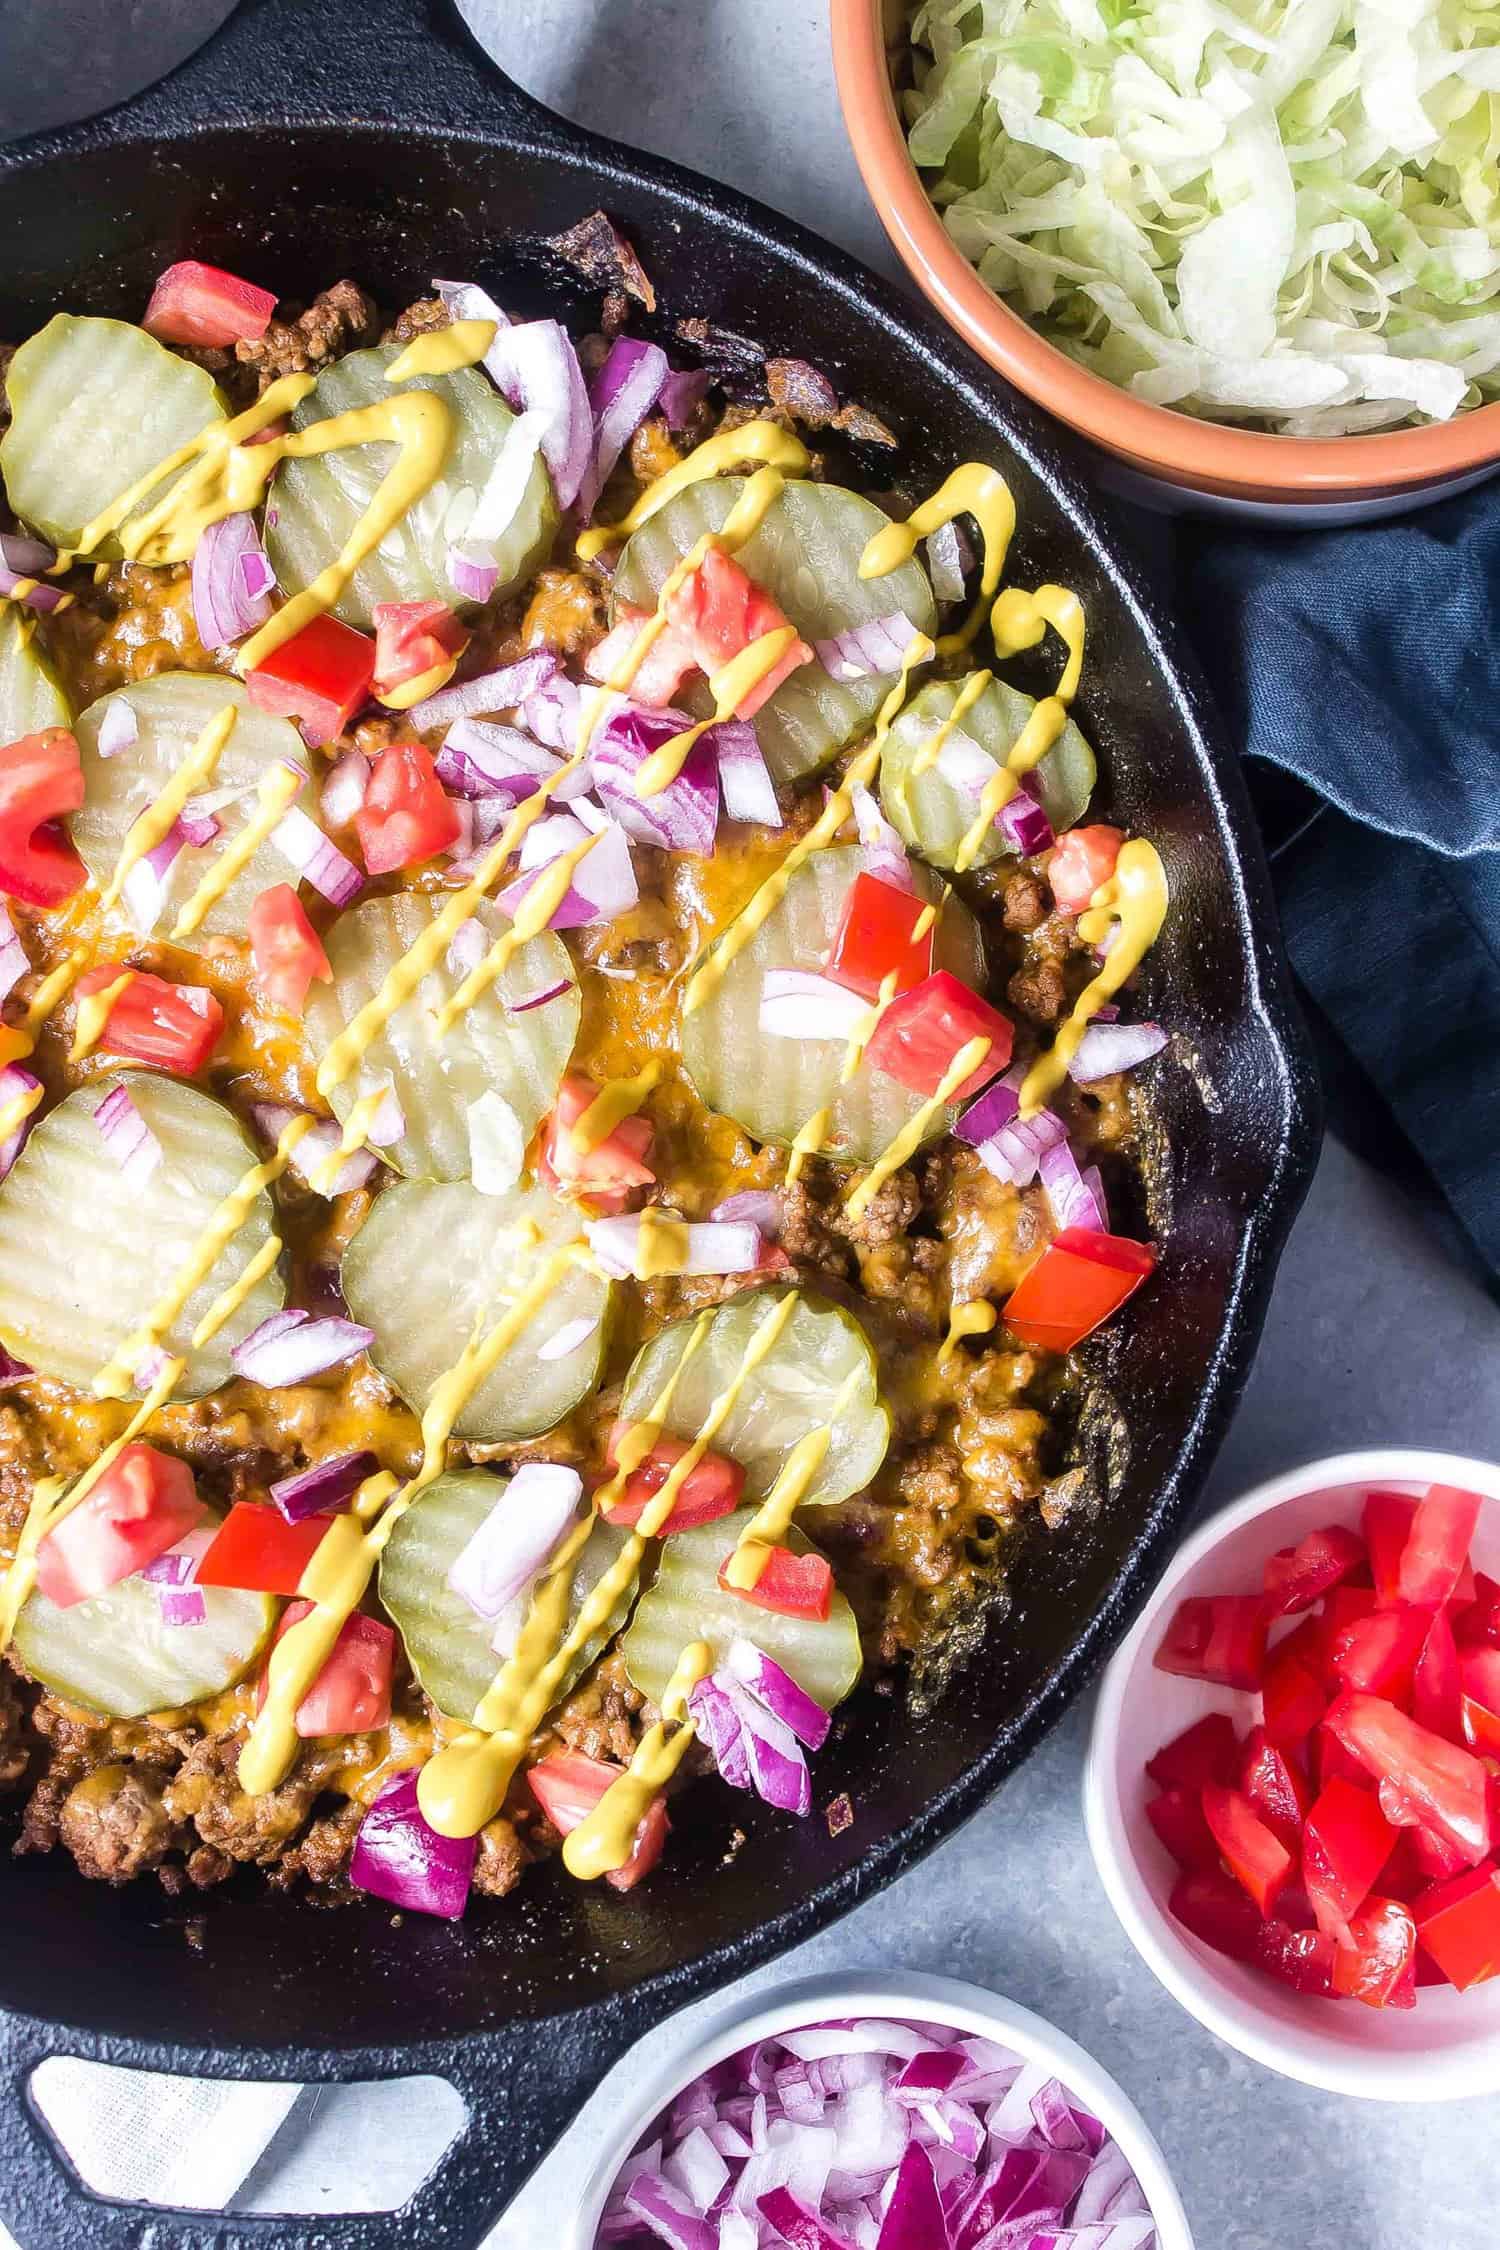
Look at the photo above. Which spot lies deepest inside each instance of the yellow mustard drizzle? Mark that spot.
(754, 441)
(443, 350)
(93, 1014)
(230, 1298)
(914, 1131)
(661, 1244)
(613, 1103)
(354, 1135)
(772, 1520)
(152, 826)
(969, 490)
(533, 914)
(932, 749)
(864, 1030)
(1019, 620)
(807, 1141)
(1135, 899)
(276, 791)
(54, 989)
(19, 1575)
(605, 1839)
(25, 586)
(14, 1113)
(729, 687)
(415, 690)
(975, 1319)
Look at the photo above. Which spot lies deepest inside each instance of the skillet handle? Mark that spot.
(521, 2087)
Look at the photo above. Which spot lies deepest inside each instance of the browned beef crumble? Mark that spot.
(337, 321)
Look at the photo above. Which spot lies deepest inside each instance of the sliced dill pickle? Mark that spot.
(805, 554)
(448, 1644)
(315, 504)
(686, 1603)
(171, 711)
(114, 1654)
(772, 1087)
(86, 1254)
(94, 405)
(31, 695)
(436, 1263)
(436, 1076)
(933, 813)
(797, 1387)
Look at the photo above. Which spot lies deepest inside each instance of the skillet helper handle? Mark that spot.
(521, 2087)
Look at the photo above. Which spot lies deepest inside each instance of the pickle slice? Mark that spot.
(31, 695)
(686, 1603)
(934, 814)
(795, 1388)
(448, 1644)
(436, 1263)
(113, 1653)
(94, 405)
(171, 712)
(315, 504)
(436, 1077)
(86, 1254)
(772, 1087)
(805, 554)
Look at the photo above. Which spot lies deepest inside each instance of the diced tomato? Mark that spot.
(41, 778)
(926, 1028)
(876, 937)
(661, 670)
(1448, 1785)
(1346, 1841)
(1207, 1751)
(1293, 1695)
(1218, 1637)
(413, 639)
(286, 949)
(1434, 1857)
(607, 1175)
(1082, 859)
(1330, 1761)
(1437, 1689)
(1437, 1546)
(1387, 1526)
(1177, 1816)
(568, 1786)
(320, 678)
(1379, 1653)
(1301, 1958)
(1296, 1577)
(259, 1552)
(197, 304)
(1218, 1913)
(352, 1693)
(1345, 1606)
(1276, 1786)
(1259, 1863)
(143, 1504)
(406, 816)
(1080, 1280)
(1479, 1619)
(174, 1026)
(791, 1585)
(1378, 1963)
(1479, 1684)
(718, 610)
(711, 1489)
(1458, 1923)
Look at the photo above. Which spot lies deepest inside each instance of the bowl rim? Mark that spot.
(1371, 2075)
(1179, 447)
(902, 1994)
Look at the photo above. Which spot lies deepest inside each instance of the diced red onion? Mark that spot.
(518, 1536)
(669, 2214)
(1070, 1198)
(127, 1136)
(621, 395)
(21, 560)
(778, 1770)
(553, 991)
(497, 1143)
(719, 1727)
(346, 788)
(945, 563)
(683, 817)
(465, 300)
(290, 1348)
(603, 885)
(796, 2225)
(551, 712)
(682, 394)
(473, 573)
(467, 948)
(182, 1605)
(1026, 825)
(914, 2218)
(860, 651)
(226, 602)
(572, 1335)
(779, 1692)
(801, 1004)
(885, 854)
(397, 1857)
(474, 764)
(119, 727)
(758, 1207)
(536, 370)
(144, 889)
(1108, 1047)
(502, 493)
(16, 1080)
(548, 838)
(13, 962)
(1008, 1145)
(179, 1565)
(744, 776)
(487, 692)
(149, 1369)
(325, 1488)
(313, 1151)
(388, 1124)
(965, 765)
(709, 1247)
(302, 843)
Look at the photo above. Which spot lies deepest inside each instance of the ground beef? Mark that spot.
(115, 1823)
(645, 936)
(322, 1854)
(424, 318)
(597, 249)
(206, 1791)
(807, 1235)
(21, 1463)
(886, 1217)
(800, 391)
(602, 1719)
(14, 1754)
(338, 320)
(501, 1861)
(1027, 902)
(1039, 991)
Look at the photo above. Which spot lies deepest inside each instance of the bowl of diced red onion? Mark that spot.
(1292, 1790)
(896, 2113)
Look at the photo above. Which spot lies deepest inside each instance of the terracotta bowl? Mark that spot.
(1162, 456)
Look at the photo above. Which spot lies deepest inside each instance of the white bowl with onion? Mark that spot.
(1043, 2055)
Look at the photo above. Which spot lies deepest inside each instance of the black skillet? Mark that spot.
(315, 138)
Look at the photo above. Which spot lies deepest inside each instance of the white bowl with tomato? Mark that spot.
(1292, 1790)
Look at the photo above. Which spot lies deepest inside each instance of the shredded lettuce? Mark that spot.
(1283, 212)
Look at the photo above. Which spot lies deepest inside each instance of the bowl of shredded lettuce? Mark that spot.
(1200, 229)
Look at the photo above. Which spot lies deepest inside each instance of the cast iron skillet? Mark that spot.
(314, 138)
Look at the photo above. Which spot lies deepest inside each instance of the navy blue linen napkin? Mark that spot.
(1366, 662)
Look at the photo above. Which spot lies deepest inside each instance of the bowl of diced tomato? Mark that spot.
(1293, 1783)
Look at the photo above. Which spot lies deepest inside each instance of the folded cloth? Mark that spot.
(1366, 661)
